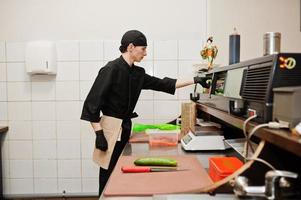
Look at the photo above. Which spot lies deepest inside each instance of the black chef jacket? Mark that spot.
(116, 90)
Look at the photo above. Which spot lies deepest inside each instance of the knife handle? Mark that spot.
(135, 169)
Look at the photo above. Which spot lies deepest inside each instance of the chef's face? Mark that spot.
(138, 53)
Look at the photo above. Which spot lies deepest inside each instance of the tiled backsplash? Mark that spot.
(48, 149)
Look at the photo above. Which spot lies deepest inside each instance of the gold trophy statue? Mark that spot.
(209, 52)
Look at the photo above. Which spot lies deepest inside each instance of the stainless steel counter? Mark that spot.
(143, 149)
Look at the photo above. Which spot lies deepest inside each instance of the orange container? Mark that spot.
(221, 167)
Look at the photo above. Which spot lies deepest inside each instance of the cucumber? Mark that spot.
(155, 161)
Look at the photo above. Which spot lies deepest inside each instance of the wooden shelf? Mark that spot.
(281, 138)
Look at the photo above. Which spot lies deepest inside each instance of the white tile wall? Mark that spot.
(21, 150)
(68, 149)
(45, 168)
(86, 131)
(68, 110)
(43, 110)
(67, 71)
(16, 72)
(2, 71)
(69, 168)
(67, 50)
(111, 49)
(71, 185)
(15, 52)
(3, 91)
(45, 185)
(190, 49)
(19, 110)
(85, 87)
(89, 169)
(149, 50)
(165, 69)
(20, 130)
(43, 91)
(89, 70)
(44, 130)
(3, 111)
(5, 147)
(5, 169)
(21, 186)
(18, 91)
(166, 50)
(90, 185)
(2, 51)
(67, 90)
(45, 149)
(139, 120)
(48, 148)
(145, 109)
(21, 169)
(166, 109)
(186, 72)
(6, 186)
(87, 147)
(68, 129)
(91, 50)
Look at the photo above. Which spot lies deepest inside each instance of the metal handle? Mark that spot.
(280, 173)
(272, 177)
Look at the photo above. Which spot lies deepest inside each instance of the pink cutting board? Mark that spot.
(141, 184)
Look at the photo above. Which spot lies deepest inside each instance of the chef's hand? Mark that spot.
(100, 141)
(203, 81)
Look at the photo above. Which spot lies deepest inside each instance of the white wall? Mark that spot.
(47, 148)
(22, 20)
(253, 19)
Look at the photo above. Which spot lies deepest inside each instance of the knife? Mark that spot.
(126, 169)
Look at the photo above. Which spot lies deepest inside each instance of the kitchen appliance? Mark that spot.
(206, 139)
(249, 84)
(287, 105)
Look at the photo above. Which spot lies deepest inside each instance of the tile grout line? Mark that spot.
(80, 141)
(8, 142)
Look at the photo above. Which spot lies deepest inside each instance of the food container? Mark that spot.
(159, 137)
(221, 167)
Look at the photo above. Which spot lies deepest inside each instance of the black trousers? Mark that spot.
(104, 174)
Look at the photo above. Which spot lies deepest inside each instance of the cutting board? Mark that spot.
(142, 184)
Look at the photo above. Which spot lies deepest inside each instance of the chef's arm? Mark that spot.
(96, 126)
(183, 83)
(201, 80)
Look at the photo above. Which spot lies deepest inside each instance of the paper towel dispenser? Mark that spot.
(40, 57)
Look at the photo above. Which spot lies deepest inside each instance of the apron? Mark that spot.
(112, 130)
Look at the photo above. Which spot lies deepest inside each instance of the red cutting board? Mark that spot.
(141, 184)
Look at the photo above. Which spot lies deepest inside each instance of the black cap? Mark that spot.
(132, 36)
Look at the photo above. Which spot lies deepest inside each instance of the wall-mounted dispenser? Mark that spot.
(40, 57)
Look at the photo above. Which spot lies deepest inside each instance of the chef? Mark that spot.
(115, 93)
